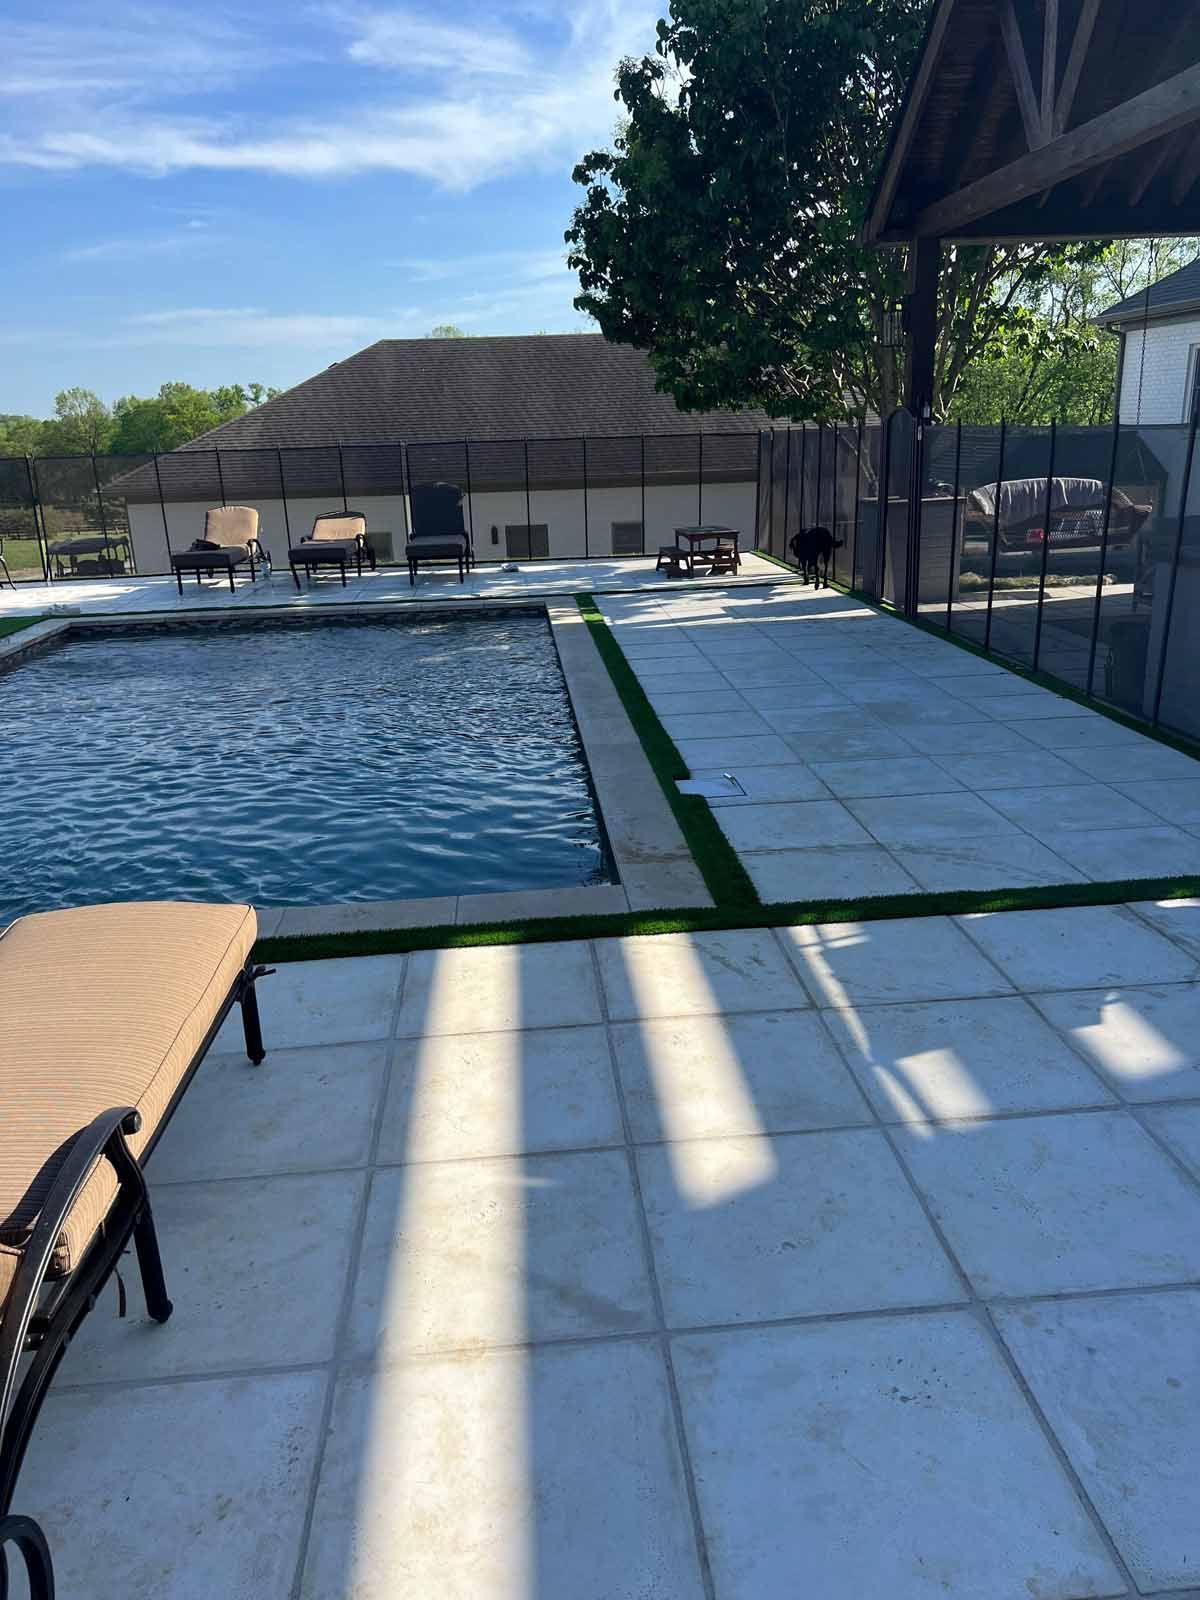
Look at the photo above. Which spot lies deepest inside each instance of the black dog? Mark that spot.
(812, 547)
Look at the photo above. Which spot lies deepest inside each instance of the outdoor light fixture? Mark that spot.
(892, 328)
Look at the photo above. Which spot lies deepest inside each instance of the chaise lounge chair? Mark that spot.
(230, 538)
(336, 538)
(439, 532)
(93, 1063)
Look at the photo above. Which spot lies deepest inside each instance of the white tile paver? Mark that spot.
(1005, 861)
(460, 1255)
(320, 1002)
(1073, 807)
(712, 1077)
(746, 1230)
(1045, 1205)
(495, 987)
(824, 873)
(878, 1457)
(1119, 1381)
(735, 750)
(1115, 854)
(785, 824)
(1144, 1042)
(297, 1111)
(508, 1475)
(761, 784)
(500, 1094)
(1138, 763)
(1078, 947)
(1179, 1128)
(910, 958)
(1178, 919)
(1006, 769)
(245, 1259)
(181, 1491)
(1175, 800)
(679, 974)
(963, 1058)
(891, 775)
(930, 819)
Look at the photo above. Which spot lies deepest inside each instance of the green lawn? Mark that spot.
(22, 557)
(15, 624)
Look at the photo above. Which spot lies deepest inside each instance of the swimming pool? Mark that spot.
(299, 763)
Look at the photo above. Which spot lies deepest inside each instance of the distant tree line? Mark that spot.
(83, 425)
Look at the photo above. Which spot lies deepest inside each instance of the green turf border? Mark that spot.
(1044, 680)
(11, 625)
(796, 913)
(725, 878)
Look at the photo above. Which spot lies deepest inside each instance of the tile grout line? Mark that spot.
(335, 1364)
(662, 1337)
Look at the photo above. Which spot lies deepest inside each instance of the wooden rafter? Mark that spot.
(1018, 63)
(1187, 172)
(1151, 167)
(1078, 54)
(1049, 66)
(1150, 115)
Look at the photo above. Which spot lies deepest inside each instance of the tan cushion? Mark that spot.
(347, 527)
(99, 1007)
(231, 524)
(9, 1261)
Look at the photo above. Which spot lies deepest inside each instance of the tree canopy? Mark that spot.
(720, 233)
(83, 424)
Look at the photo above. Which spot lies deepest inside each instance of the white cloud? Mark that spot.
(457, 104)
(137, 246)
(247, 327)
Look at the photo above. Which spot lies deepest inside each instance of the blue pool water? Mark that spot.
(297, 764)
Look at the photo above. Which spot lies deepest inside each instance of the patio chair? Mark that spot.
(336, 538)
(439, 531)
(92, 1067)
(230, 538)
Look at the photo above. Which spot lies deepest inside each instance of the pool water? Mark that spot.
(294, 764)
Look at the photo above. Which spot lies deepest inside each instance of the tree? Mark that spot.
(447, 330)
(720, 233)
(82, 425)
(19, 435)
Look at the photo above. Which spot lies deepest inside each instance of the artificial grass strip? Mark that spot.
(15, 624)
(725, 878)
(1044, 680)
(795, 913)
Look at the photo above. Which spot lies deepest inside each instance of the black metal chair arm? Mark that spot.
(104, 1136)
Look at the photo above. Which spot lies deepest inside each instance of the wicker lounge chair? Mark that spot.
(230, 538)
(107, 1013)
(337, 537)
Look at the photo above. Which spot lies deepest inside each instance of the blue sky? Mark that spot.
(224, 193)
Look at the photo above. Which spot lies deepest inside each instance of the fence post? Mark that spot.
(100, 504)
(528, 507)
(643, 439)
(586, 547)
(342, 477)
(884, 502)
(987, 627)
(916, 508)
(40, 515)
(699, 477)
(771, 498)
(220, 475)
(801, 476)
(1041, 600)
(954, 563)
(1183, 502)
(287, 521)
(38, 531)
(162, 509)
(470, 498)
(820, 473)
(857, 503)
(787, 486)
(758, 488)
(405, 485)
(1112, 472)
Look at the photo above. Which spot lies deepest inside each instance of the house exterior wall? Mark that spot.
(1163, 377)
(668, 506)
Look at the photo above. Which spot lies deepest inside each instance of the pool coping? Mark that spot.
(654, 864)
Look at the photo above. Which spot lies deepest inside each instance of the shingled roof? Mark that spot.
(1177, 292)
(536, 386)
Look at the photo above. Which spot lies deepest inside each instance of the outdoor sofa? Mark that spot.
(105, 1014)
(230, 539)
(337, 537)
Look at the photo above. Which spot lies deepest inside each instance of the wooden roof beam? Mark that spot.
(1078, 54)
(1018, 65)
(1147, 116)
(1186, 173)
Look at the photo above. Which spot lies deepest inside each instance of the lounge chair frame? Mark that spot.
(310, 555)
(43, 1313)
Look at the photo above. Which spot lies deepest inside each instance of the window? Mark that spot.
(627, 538)
(523, 540)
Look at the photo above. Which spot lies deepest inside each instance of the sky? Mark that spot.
(233, 193)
